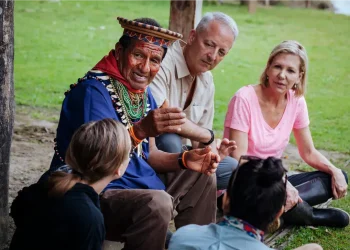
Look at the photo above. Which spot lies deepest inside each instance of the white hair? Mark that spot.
(220, 17)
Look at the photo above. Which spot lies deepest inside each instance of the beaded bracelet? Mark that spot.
(181, 160)
(133, 136)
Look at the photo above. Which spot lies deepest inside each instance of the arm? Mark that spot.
(199, 160)
(316, 160)
(199, 134)
(160, 161)
(195, 133)
(238, 124)
(241, 139)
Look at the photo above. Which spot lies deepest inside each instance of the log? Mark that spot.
(184, 15)
(6, 110)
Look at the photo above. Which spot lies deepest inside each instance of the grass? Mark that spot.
(57, 42)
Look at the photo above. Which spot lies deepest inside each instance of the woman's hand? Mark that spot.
(225, 147)
(293, 197)
(202, 160)
(339, 186)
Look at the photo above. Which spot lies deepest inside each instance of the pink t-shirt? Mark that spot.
(244, 114)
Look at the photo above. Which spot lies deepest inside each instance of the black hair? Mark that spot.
(258, 191)
(126, 41)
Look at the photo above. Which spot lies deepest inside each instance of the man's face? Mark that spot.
(139, 63)
(206, 48)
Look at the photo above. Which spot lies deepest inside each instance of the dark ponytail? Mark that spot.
(258, 191)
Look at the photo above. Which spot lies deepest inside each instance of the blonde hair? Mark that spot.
(295, 48)
(97, 149)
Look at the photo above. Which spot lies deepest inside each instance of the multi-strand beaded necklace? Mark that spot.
(129, 107)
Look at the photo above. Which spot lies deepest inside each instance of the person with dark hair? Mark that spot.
(261, 117)
(138, 207)
(255, 198)
(64, 212)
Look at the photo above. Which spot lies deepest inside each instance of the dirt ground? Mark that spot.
(32, 151)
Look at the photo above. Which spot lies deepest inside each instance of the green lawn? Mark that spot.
(57, 42)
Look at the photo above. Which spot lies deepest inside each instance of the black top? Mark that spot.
(73, 221)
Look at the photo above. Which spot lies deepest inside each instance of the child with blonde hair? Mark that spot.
(64, 212)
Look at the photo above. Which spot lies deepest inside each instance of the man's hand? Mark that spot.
(202, 160)
(339, 186)
(292, 197)
(159, 121)
(225, 147)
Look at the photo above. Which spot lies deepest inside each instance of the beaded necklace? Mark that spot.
(122, 110)
(130, 106)
(139, 110)
(133, 103)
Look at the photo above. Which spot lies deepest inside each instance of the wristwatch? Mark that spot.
(211, 139)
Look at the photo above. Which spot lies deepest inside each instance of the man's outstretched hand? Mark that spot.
(202, 160)
(159, 121)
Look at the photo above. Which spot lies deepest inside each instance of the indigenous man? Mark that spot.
(138, 207)
(185, 81)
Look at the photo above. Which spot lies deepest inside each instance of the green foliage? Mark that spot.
(56, 42)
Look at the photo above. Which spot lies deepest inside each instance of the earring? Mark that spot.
(267, 77)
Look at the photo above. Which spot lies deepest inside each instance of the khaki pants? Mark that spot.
(140, 217)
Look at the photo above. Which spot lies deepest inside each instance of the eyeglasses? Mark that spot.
(247, 158)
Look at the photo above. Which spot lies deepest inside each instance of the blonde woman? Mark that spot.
(260, 118)
(64, 213)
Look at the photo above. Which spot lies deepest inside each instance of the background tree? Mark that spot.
(184, 16)
(6, 109)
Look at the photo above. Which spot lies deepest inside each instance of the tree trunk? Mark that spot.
(252, 6)
(6, 110)
(307, 4)
(184, 15)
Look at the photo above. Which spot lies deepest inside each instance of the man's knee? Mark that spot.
(226, 166)
(224, 171)
(170, 143)
(161, 203)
